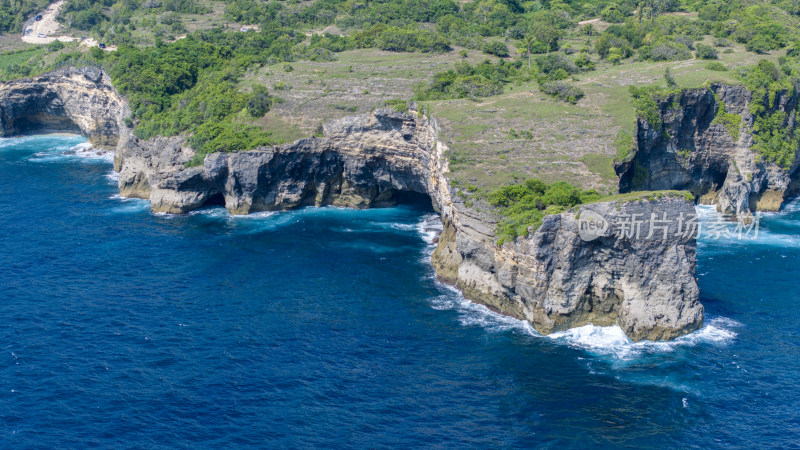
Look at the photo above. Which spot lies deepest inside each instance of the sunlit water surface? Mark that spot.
(326, 327)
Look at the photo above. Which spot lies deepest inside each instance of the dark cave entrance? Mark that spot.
(417, 200)
(213, 200)
(42, 124)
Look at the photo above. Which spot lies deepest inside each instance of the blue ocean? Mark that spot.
(326, 327)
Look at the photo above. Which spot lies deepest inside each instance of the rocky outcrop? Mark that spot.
(69, 100)
(559, 278)
(691, 150)
(361, 162)
(555, 278)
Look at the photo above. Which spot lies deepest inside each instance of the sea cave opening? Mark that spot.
(216, 199)
(43, 123)
(417, 200)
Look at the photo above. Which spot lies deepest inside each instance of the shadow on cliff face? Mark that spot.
(42, 124)
(416, 200)
(420, 201)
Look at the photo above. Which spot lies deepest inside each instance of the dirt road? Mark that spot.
(47, 27)
(46, 30)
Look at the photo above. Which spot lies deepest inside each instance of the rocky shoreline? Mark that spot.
(554, 278)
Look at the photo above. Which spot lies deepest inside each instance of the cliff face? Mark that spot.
(555, 278)
(360, 162)
(693, 152)
(70, 100)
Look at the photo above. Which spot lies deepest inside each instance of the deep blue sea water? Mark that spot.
(325, 327)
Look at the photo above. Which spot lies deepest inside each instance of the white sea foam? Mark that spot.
(83, 151)
(763, 236)
(255, 216)
(609, 341)
(612, 341)
(10, 142)
(430, 227)
(472, 314)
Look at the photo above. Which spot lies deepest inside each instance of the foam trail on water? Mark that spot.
(129, 205)
(83, 151)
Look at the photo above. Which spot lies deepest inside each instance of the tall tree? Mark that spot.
(527, 41)
(545, 32)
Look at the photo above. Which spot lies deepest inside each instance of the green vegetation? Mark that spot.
(706, 52)
(191, 87)
(467, 81)
(398, 105)
(225, 136)
(484, 67)
(716, 66)
(731, 122)
(525, 205)
(13, 13)
(563, 91)
(760, 27)
(496, 48)
(775, 133)
(647, 100)
(21, 63)
(624, 144)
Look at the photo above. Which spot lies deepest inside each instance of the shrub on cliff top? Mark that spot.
(226, 137)
(706, 52)
(398, 105)
(525, 205)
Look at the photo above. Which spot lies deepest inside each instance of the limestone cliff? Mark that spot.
(555, 278)
(70, 100)
(693, 151)
(361, 162)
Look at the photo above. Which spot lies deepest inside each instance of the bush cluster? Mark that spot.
(523, 206)
(467, 81)
(563, 91)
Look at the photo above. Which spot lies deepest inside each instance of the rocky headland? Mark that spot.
(556, 278)
(66, 100)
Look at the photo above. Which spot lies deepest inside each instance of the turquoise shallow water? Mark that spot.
(326, 327)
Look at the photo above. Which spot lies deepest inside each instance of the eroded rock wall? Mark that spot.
(690, 151)
(69, 100)
(558, 280)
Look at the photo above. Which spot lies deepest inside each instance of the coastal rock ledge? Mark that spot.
(556, 278)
